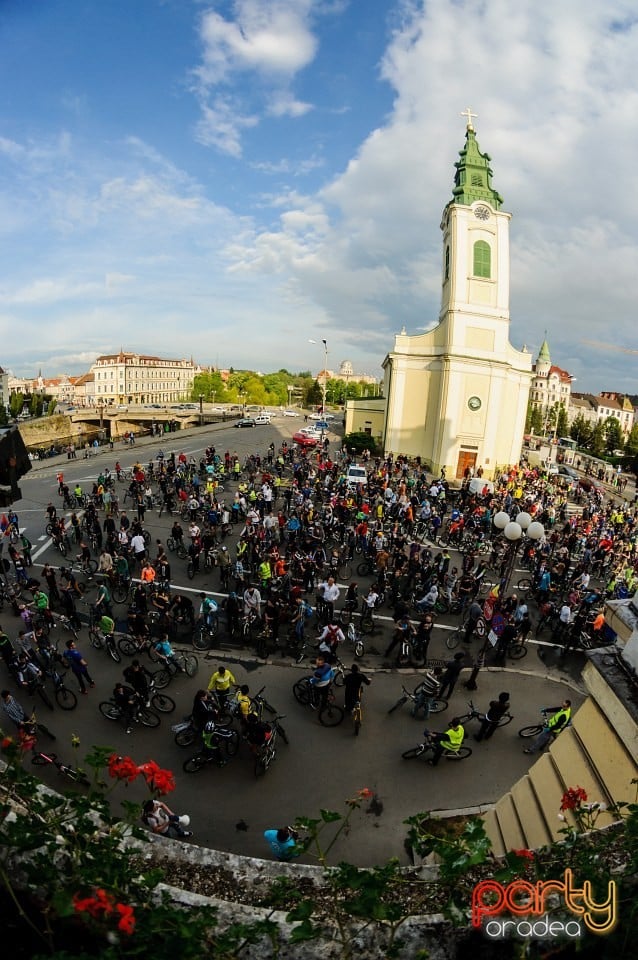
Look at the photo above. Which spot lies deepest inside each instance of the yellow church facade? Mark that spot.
(457, 395)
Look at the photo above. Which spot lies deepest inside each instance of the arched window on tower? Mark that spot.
(482, 259)
(447, 263)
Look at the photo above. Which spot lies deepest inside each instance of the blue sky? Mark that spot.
(230, 179)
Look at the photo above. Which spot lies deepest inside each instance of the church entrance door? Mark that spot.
(467, 458)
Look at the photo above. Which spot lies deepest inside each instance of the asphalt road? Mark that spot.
(321, 767)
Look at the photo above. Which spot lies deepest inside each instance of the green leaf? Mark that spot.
(301, 911)
(330, 816)
(305, 931)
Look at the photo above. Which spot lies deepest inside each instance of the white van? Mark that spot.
(263, 418)
(478, 484)
(357, 474)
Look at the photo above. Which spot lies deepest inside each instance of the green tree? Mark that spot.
(581, 431)
(631, 446)
(562, 422)
(534, 419)
(16, 403)
(4, 419)
(313, 394)
(598, 441)
(613, 434)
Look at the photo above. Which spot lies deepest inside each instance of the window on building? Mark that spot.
(482, 259)
(447, 263)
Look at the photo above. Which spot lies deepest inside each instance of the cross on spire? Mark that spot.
(468, 113)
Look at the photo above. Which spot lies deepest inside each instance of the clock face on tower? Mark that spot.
(482, 212)
(474, 403)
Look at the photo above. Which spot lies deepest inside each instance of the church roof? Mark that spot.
(473, 178)
(543, 353)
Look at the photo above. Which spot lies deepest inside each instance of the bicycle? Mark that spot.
(40, 759)
(181, 662)
(437, 704)
(205, 632)
(354, 637)
(141, 714)
(100, 640)
(329, 712)
(422, 749)
(225, 739)
(65, 698)
(357, 717)
(267, 753)
(534, 729)
(475, 714)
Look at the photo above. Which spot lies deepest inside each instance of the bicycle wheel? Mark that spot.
(302, 692)
(359, 649)
(441, 605)
(202, 638)
(95, 639)
(162, 703)
(338, 678)
(194, 764)
(191, 664)
(364, 569)
(110, 710)
(90, 565)
(438, 706)
(366, 625)
(517, 651)
(418, 655)
(532, 731)
(345, 571)
(525, 583)
(231, 744)
(147, 718)
(331, 715)
(61, 547)
(44, 696)
(120, 593)
(181, 551)
(162, 678)
(65, 698)
(127, 645)
(39, 760)
(356, 719)
(507, 718)
(481, 628)
(453, 639)
(399, 703)
(263, 762)
(184, 738)
(459, 754)
(414, 752)
(113, 651)
(282, 733)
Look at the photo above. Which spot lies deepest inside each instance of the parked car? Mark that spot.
(304, 440)
(290, 413)
(262, 418)
(245, 422)
(315, 416)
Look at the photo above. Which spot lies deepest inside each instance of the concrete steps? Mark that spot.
(589, 754)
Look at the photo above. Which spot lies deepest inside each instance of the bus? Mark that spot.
(567, 442)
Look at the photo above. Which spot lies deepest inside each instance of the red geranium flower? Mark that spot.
(126, 923)
(97, 906)
(158, 780)
(364, 793)
(7, 742)
(573, 798)
(524, 854)
(123, 768)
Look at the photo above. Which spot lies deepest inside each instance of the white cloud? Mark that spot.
(220, 126)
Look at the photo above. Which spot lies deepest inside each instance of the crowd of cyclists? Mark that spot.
(279, 536)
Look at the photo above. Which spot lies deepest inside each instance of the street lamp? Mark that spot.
(513, 529)
(201, 408)
(325, 373)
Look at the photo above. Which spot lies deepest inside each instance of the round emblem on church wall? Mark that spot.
(474, 403)
(482, 213)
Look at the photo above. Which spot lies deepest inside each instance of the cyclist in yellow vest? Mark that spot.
(557, 722)
(449, 742)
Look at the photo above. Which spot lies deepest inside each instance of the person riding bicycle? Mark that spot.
(205, 707)
(139, 678)
(353, 687)
(329, 639)
(166, 653)
(208, 610)
(103, 600)
(558, 721)
(450, 741)
(321, 680)
(182, 609)
(41, 603)
(128, 701)
(220, 682)
(404, 631)
(210, 743)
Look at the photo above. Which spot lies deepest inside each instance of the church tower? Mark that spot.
(457, 395)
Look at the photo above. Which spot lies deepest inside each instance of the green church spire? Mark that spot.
(473, 178)
(543, 353)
